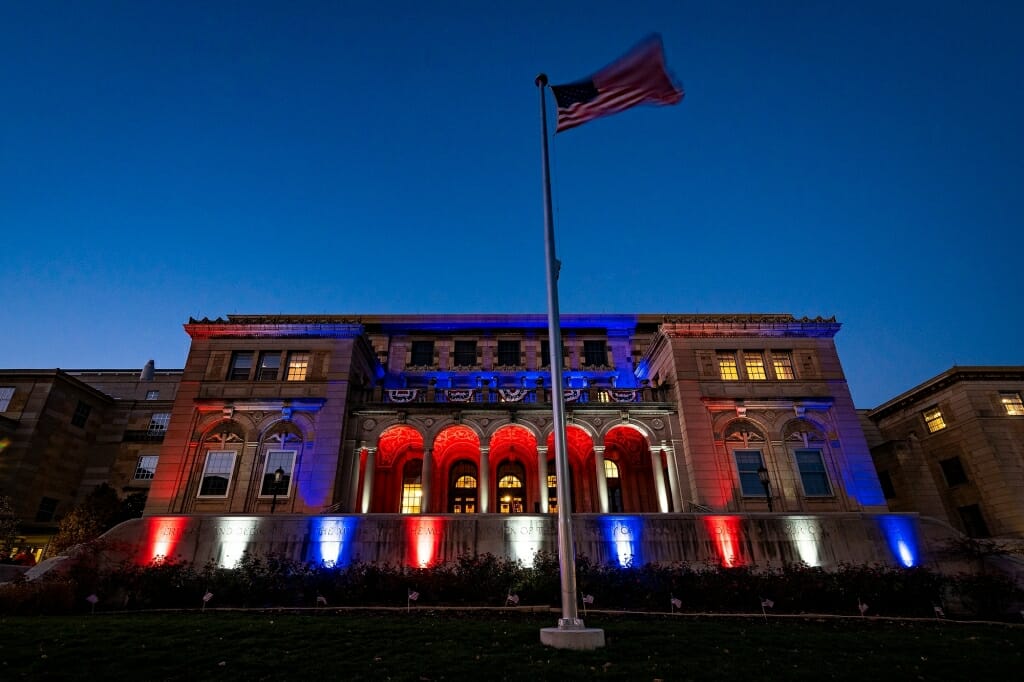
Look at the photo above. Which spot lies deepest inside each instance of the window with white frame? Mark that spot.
(727, 366)
(754, 363)
(6, 393)
(747, 464)
(933, 419)
(278, 459)
(217, 472)
(298, 366)
(782, 363)
(412, 487)
(152, 395)
(270, 366)
(158, 422)
(241, 365)
(146, 467)
(812, 473)
(1011, 403)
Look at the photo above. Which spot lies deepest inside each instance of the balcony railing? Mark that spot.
(591, 396)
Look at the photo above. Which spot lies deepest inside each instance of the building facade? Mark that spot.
(427, 414)
(953, 448)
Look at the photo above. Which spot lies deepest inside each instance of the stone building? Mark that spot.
(953, 448)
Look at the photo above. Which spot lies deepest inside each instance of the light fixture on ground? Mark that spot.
(762, 475)
(278, 477)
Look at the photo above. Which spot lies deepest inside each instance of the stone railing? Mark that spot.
(591, 396)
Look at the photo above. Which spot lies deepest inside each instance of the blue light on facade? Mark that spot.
(623, 535)
(331, 539)
(901, 535)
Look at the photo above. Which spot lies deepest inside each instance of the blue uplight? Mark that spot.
(331, 539)
(623, 535)
(901, 535)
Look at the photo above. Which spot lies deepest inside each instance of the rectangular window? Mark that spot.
(754, 362)
(974, 522)
(953, 470)
(1011, 403)
(933, 419)
(595, 354)
(146, 467)
(158, 423)
(465, 354)
(241, 365)
(152, 395)
(217, 473)
(747, 464)
(887, 487)
(6, 393)
(422, 354)
(782, 363)
(812, 473)
(298, 366)
(508, 354)
(81, 414)
(47, 508)
(270, 365)
(727, 366)
(278, 459)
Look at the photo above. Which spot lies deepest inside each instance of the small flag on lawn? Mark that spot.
(512, 599)
(939, 613)
(92, 599)
(321, 599)
(767, 603)
(207, 597)
(413, 595)
(638, 77)
(862, 607)
(677, 602)
(588, 599)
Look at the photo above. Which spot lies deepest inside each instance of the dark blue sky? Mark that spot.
(166, 160)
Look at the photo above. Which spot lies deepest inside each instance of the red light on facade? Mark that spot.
(725, 536)
(162, 537)
(423, 538)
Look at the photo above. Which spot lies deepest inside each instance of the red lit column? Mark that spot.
(542, 474)
(484, 489)
(371, 464)
(428, 475)
(602, 482)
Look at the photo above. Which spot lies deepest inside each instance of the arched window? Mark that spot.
(553, 490)
(614, 484)
(510, 488)
(462, 493)
(412, 487)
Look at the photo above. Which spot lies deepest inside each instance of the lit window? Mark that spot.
(953, 471)
(298, 365)
(933, 418)
(422, 354)
(755, 366)
(241, 365)
(278, 459)
(747, 464)
(412, 487)
(270, 365)
(727, 366)
(604, 397)
(782, 363)
(510, 488)
(152, 395)
(81, 414)
(552, 492)
(146, 467)
(614, 485)
(465, 354)
(611, 469)
(158, 423)
(595, 354)
(6, 393)
(1011, 403)
(508, 353)
(812, 473)
(217, 473)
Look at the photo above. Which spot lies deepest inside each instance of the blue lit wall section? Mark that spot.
(623, 537)
(901, 536)
(331, 540)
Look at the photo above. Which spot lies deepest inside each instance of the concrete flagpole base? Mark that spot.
(572, 635)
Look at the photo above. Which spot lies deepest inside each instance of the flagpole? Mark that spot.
(570, 619)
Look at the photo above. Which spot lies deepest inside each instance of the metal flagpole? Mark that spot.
(566, 550)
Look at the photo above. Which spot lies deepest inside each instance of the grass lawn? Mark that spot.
(495, 645)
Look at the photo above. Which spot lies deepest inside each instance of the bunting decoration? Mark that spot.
(513, 395)
(624, 395)
(572, 394)
(402, 395)
(460, 395)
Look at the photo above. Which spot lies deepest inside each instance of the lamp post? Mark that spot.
(278, 477)
(762, 475)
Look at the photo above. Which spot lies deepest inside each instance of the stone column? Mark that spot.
(659, 480)
(602, 482)
(483, 490)
(371, 464)
(673, 478)
(542, 474)
(427, 475)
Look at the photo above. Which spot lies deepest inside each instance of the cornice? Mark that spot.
(761, 326)
(270, 328)
(955, 375)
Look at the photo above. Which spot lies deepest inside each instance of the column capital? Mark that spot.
(542, 449)
(485, 449)
(370, 449)
(599, 449)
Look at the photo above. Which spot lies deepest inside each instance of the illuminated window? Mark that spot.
(953, 471)
(278, 459)
(611, 469)
(510, 488)
(462, 491)
(158, 423)
(782, 363)
(611, 476)
(412, 487)
(152, 395)
(933, 418)
(270, 365)
(81, 414)
(604, 397)
(217, 471)
(754, 363)
(727, 366)
(422, 354)
(241, 365)
(1011, 403)
(298, 366)
(595, 354)
(812, 473)
(552, 493)
(508, 354)
(145, 468)
(465, 354)
(6, 393)
(747, 464)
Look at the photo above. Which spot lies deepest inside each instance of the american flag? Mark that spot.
(588, 599)
(321, 599)
(207, 597)
(413, 595)
(512, 599)
(639, 77)
(677, 602)
(767, 603)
